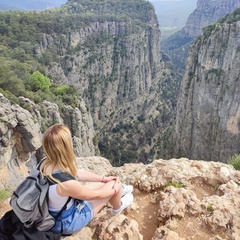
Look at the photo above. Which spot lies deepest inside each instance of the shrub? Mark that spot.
(210, 208)
(9, 96)
(61, 90)
(175, 184)
(95, 140)
(39, 82)
(4, 195)
(235, 161)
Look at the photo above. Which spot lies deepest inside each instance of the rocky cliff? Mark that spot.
(116, 66)
(206, 13)
(113, 62)
(207, 122)
(21, 135)
(176, 199)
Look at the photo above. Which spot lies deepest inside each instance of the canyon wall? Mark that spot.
(207, 122)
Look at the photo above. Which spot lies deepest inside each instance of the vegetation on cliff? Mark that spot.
(229, 18)
(235, 161)
(138, 11)
(21, 34)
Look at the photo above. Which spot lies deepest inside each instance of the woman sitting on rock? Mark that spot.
(87, 200)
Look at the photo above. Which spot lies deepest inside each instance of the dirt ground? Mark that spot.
(145, 213)
(190, 227)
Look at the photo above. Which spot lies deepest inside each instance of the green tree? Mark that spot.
(39, 82)
(9, 80)
(61, 90)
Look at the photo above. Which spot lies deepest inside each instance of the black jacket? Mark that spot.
(11, 228)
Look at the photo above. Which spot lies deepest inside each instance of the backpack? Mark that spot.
(29, 200)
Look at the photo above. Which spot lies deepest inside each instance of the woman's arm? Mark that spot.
(86, 176)
(76, 190)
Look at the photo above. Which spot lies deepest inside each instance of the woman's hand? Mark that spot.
(117, 184)
(108, 179)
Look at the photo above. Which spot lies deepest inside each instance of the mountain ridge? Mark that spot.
(206, 13)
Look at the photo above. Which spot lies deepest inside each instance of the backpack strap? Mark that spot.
(62, 177)
(39, 164)
(63, 208)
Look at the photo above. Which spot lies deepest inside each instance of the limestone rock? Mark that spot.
(206, 13)
(175, 202)
(190, 200)
(184, 203)
(20, 138)
(21, 129)
(116, 76)
(208, 105)
(166, 234)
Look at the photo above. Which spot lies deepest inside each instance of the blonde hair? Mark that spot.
(58, 148)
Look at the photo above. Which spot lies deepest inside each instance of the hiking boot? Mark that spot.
(126, 200)
(126, 189)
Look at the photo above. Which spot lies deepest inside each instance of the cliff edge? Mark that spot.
(176, 199)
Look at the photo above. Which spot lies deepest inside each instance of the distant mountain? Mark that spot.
(172, 15)
(37, 5)
(207, 12)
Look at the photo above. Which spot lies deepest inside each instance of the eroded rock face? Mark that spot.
(119, 76)
(206, 13)
(111, 74)
(174, 199)
(21, 135)
(208, 115)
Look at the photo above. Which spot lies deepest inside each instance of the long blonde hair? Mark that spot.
(58, 148)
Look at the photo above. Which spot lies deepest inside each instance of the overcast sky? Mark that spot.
(169, 0)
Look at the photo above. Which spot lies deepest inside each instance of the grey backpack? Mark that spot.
(29, 200)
